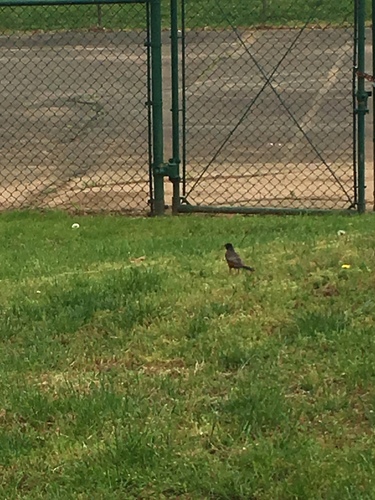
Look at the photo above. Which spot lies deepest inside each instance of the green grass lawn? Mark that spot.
(199, 14)
(134, 366)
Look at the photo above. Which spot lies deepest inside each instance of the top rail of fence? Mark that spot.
(24, 3)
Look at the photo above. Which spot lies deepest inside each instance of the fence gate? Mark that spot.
(75, 107)
(269, 111)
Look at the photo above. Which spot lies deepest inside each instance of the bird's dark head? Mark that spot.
(229, 246)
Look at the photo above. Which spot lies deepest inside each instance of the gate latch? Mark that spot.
(169, 169)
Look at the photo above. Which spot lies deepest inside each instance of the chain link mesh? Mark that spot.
(73, 109)
(269, 106)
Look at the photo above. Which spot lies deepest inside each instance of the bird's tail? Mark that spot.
(248, 268)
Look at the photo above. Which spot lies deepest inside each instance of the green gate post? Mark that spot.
(157, 107)
(362, 97)
(175, 108)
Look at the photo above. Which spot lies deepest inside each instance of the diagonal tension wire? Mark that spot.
(248, 108)
(250, 105)
(238, 35)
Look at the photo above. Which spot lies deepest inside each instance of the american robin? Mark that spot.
(234, 260)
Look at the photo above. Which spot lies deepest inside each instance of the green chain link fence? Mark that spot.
(74, 119)
(269, 100)
(263, 97)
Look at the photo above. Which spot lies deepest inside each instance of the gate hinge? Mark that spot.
(362, 98)
(169, 169)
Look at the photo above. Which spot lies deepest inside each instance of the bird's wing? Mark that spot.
(234, 258)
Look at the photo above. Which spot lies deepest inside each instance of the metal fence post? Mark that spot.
(100, 15)
(175, 105)
(264, 10)
(362, 110)
(157, 107)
